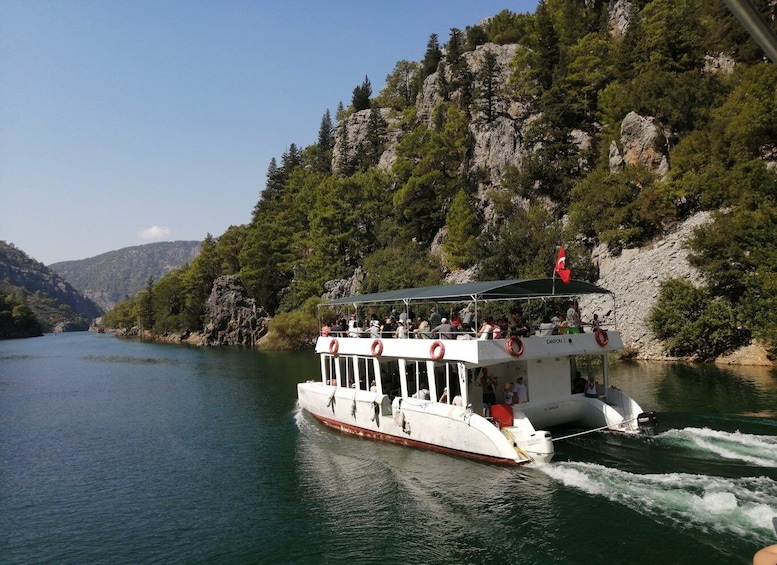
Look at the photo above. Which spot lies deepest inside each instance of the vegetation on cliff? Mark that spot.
(35, 299)
(398, 187)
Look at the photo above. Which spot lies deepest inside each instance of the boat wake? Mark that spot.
(742, 506)
(757, 450)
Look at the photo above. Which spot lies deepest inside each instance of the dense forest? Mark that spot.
(340, 207)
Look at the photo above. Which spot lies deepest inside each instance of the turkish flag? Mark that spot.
(561, 266)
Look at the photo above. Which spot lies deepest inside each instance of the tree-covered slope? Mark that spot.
(584, 123)
(111, 277)
(28, 286)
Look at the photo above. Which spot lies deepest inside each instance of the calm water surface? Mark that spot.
(115, 451)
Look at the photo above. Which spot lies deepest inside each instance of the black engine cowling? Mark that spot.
(648, 423)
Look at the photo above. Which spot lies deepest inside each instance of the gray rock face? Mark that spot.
(634, 278)
(234, 319)
(643, 142)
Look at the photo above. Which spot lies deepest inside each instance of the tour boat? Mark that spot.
(428, 392)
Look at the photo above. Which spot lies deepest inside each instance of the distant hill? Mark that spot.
(111, 277)
(54, 301)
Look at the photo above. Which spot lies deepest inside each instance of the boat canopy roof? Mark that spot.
(477, 291)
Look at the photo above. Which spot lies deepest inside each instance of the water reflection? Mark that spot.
(681, 387)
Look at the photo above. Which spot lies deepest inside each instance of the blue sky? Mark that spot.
(127, 122)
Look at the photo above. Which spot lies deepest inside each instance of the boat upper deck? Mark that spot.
(475, 352)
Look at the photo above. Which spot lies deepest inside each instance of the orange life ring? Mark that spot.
(437, 350)
(601, 337)
(377, 348)
(515, 346)
(334, 346)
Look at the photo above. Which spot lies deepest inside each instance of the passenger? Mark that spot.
(373, 386)
(374, 327)
(466, 321)
(485, 330)
(444, 396)
(556, 321)
(456, 400)
(422, 393)
(338, 328)
(326, 329)
(590, 388)
(496, 330)
(401, 331)
(434, 318)
(444, 330)
(353, 326)
(595, 323)
(388, 327)
(520, 392)
(573, 319)
(547, 327)
(578, 385)
(523, 329)
(489, 390)
(423, 329)
(508, 394)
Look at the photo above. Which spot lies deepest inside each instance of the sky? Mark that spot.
(125, 122)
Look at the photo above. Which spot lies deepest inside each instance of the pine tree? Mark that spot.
(361, 95)
(433, 56)
(326, 141)
(462, 230)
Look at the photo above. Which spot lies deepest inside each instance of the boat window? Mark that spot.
(329, 372)
(417, 377)
(389, 373)
(446, 378)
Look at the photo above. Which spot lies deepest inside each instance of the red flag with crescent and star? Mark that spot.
(561, 266)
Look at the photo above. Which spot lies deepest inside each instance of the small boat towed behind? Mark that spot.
(429, 393)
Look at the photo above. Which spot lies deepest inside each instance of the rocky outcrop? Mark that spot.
(642, 142)
(233, 317)
(619, 13)
(634, 277)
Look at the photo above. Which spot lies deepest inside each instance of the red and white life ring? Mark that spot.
(601, 337)
(515, 346)
(437, 350)
(377, 348)
(334, 347)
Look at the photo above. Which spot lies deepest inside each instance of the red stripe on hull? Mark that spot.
(372, 434)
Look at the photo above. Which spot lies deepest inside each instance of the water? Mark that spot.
(123, 452)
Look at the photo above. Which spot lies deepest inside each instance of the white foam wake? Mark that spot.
(756, 450)
(744, 506)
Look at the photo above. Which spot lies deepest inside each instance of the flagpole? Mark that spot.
(553, 291)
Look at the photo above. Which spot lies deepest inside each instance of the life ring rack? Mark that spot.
(376, 348)
(601, 337)
(334, 347)
(515, 346)
(437, 350)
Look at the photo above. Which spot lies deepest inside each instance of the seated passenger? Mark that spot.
(444, 330)
(590, 388)
(444, 396)
(456, 400)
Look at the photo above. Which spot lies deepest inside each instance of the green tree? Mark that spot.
(147, 306)
(462, 223)
(432, 57)
(361, 95)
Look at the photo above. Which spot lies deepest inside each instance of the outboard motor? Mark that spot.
(648, 423)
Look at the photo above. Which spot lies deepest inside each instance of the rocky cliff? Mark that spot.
(55, 302)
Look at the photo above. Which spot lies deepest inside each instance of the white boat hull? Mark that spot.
(425, 424)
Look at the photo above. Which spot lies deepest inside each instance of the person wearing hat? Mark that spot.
(444, 330)
(520, 392)
(401, 331)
